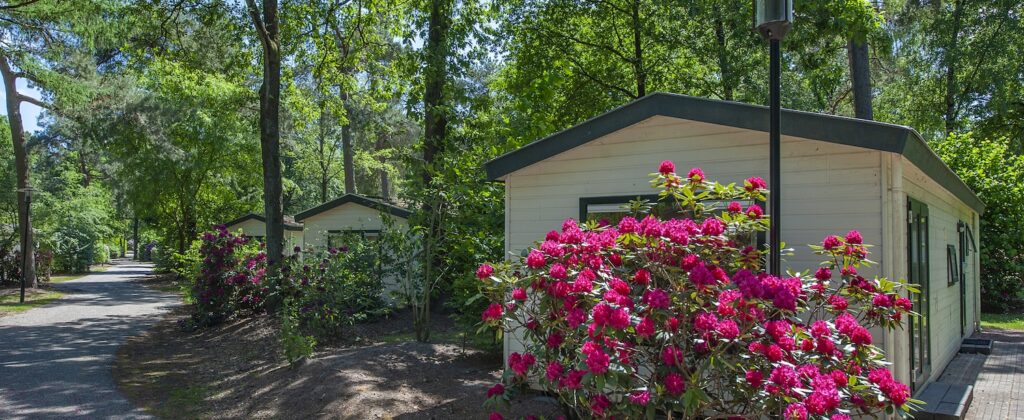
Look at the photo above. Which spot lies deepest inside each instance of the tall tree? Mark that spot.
(266, 25)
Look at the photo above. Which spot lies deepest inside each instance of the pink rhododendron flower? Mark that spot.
(628, 225)
(838, 303)
(820, 328)
(552, 236)
(554, 371)
(696, 175)
(557, 272)
(755, 212)
(484, 271)
(853, 237)
(754, 378)
(674, 384)
(598, 403)
(705, 321)
(640, 398)
(573, 379)
(735, 207)
(831, 242)
(712, 227)
(823, 274)
(672, 356)
(519, 294)
(666, 167)
(645, 329)
(904, 304)
(521, 363)
(796, 411)
(728, 329)
(492, 313)
(495, 416)
(755, 183)
(535, 260)
(657, 299)
(497, 389)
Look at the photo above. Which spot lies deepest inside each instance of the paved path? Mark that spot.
(998, 378)
(55, 361)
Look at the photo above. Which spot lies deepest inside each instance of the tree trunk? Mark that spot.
(13, 99)
(324, 162)
(270, 134)
(860, 78)
(385, 180)
(950, 59)
(638, 52)
(723, 60)
(346, 148)
(435, 78)
(135, 238)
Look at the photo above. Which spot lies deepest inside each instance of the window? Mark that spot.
(342, 238)
(953, 264)
(612, 209)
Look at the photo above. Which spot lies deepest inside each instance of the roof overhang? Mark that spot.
(829, 128)
(355, 199)
(253, 216)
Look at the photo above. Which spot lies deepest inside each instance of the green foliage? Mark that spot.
(993, 171)
(295, 345)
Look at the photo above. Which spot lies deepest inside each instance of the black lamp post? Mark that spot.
(772, 19)
(26, 245)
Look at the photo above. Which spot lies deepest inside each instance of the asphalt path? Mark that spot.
(55, 361)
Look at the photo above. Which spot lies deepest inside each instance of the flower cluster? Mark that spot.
(679, 316)
(231, 275)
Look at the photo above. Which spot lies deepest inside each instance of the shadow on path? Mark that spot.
(55, 360)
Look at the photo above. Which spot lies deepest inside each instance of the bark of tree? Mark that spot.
(723, 60)
(950, 60)
(270, 134)
(860, 77)
(14, 100)
(435, 78)
(135, 238)
(385, 180)
(638, 51)
(347, 153)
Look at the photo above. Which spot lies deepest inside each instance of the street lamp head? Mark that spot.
(773, 18)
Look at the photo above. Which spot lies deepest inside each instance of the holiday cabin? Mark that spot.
(838, 174)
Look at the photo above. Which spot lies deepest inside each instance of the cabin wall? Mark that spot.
(253, 227)
(827, 188)
(944, 211)
(349, 216)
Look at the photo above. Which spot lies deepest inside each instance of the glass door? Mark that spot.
(917, 256)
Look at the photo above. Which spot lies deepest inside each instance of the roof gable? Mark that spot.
(261, 219)
(355, 199)
(829, 128)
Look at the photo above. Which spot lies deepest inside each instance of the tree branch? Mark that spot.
(34, 101)
(17, 5)
(257, 21)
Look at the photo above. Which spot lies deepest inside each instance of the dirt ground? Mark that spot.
(236, 370)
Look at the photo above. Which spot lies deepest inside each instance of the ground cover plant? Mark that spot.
(678, 317)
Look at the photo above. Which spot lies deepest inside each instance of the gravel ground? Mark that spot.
(55, 361)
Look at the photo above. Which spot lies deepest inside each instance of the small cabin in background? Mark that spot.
(254, 226)
(329, 224)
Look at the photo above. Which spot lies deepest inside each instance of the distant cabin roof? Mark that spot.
(356, 199)
(809, 125)
(253, 216)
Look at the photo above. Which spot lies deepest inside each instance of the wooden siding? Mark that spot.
(827, 188)
(253, 227)
(348, 216)
(944, 211)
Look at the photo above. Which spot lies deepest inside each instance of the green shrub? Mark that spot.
(101, 254)
(993, 171)
(296, 346)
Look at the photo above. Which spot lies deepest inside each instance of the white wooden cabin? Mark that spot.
(255, 226)
(837, 174)
(326, 225)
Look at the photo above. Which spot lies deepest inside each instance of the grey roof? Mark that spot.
(829, 128)
(357, 199)
(253, 216)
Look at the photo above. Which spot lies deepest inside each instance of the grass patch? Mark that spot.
(1003, 321)
(68, 277)
(9, 302)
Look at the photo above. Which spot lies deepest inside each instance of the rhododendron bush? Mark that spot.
(231, 277)
(678, 317)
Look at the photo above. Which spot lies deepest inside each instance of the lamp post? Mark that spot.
(772, 19)
(26, 245)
